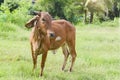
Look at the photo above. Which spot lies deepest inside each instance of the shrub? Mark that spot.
(19, 16)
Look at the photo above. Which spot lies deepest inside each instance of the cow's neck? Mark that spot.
(38, 37)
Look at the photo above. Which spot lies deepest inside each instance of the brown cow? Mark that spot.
(50, 35)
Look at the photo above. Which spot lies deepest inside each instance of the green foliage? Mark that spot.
(12, 23)
(74, 13)
(54, 7)
(18, 16)
(64, 9)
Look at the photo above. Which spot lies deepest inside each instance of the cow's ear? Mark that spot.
(32, 22)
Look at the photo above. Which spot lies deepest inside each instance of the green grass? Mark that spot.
(98, 55)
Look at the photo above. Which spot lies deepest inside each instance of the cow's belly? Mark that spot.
(56, 43)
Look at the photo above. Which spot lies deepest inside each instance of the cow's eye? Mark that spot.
(43, 19)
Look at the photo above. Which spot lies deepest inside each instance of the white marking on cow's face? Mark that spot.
(58, 38)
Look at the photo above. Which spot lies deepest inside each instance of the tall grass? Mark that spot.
(12, 31)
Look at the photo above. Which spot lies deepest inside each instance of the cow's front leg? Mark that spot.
(34, 62)
(34, 57)
(44, 56)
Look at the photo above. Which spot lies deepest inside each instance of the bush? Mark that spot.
(60, 9)
(19, 16)
(12, 23)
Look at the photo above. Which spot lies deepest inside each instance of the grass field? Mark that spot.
(98, 56)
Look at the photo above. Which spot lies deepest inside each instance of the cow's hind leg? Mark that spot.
(73, 54)
(71, 45)
(66, 54)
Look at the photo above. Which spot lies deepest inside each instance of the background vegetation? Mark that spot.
(97, 46)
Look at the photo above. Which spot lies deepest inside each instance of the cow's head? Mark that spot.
(42, 21)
